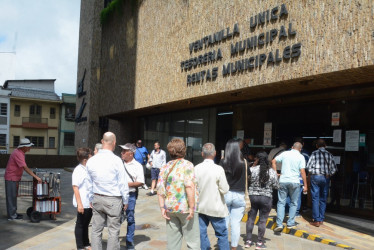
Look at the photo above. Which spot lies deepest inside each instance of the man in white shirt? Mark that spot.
(135, 177)
(212, 184)
(109, 193)
(157, 159)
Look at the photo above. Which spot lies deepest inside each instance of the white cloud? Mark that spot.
(47, 39)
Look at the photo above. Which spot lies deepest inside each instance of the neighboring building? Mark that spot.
(34, 114)
(4, 121)
(207, 71)
(67, 125)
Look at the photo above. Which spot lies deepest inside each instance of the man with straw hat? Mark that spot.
(13, 173)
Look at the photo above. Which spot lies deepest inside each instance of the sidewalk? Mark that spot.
(150, 229)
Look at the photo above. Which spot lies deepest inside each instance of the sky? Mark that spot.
(39, 40)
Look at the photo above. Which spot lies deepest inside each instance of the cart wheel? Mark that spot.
(29, 211)
(35, 216)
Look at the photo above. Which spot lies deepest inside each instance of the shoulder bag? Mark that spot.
(137, 188)
(246, 197)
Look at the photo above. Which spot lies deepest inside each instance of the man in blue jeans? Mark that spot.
(212, 185)
(135, 177)
(321, 166)
(293, 163)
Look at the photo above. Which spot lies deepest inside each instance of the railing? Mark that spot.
(34, 122)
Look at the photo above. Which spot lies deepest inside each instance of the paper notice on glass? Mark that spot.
(337, 159)
(240, 134)
(267, 141)
(352, 140)
(337, 136)
(268, 126)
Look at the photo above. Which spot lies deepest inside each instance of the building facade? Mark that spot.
(4, 121)
(67, 125)
(213, 70)
(34, 114)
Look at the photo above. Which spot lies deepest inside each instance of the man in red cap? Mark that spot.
(13, 173)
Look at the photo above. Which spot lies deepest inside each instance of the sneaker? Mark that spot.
(130, 245)
(19, 217)
(291, 227)
(151, 193)
(278, 229)
(260, 245)
(248, 244)
(145, 186)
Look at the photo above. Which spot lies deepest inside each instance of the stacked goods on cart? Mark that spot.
(46, 197)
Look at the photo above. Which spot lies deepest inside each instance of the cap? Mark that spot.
(129, 146)
(25, 143)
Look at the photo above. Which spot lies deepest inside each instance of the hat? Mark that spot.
(25, 143)
(129, 146)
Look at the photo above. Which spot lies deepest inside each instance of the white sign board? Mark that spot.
(335, 119)
(337, 136)
(240, 134)
(352, 140)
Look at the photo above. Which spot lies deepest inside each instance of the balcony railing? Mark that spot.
(34, 122)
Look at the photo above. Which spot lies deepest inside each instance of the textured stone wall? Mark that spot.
(142, 51)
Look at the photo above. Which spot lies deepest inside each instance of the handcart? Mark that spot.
(46, 197)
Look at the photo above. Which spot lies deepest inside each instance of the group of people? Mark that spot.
(190, 198)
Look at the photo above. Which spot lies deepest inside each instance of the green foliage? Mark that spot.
(107, 12)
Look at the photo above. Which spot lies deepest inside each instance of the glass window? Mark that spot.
(35, 110)
(37, 140)
(3, 140)
(70, 112)
(3, 109)
(69, 139)
(51, 142)
(15, 141)
(52, 113)
(17, 110)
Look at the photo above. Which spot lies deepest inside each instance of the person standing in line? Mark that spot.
(81, 188)
(244, 148)
(178, 198)
(13, 174)
(98, 146)
(293, 163)
(141, 156)
(234, 167)
(263, 179)
(157, 159)
(278, 167)
(213, 186)
(321, 167)
(135, 178)
(109, 193)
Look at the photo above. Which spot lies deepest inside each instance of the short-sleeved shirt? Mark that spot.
(80, 179)
(14, 168)
(292, 162)
(181, 176)
(135, 169)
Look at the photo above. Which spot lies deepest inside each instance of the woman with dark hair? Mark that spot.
(262, 182)
(234, 166)
(177, 196)
(81, 188)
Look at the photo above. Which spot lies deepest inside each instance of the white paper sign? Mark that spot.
(240, 134)
(352, 140)
(337, 137)
(267, 141)
(337, 159)
(335, 119)
(268, 126)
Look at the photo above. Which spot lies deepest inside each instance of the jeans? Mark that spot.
(130, 213)
(262, 204)
(236, 204)
(319, 190)
(220, 229)
(292, 190)
(288, 201)
(81, 228)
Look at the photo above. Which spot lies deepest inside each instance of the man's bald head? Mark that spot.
(297, 146)
(109, 141)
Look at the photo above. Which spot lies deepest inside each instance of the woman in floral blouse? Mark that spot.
(177, 196)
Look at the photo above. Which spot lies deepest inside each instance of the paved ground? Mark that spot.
(150, 230)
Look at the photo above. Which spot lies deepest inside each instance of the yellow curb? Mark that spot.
(313, 237)
(326, 241)
(299, 233)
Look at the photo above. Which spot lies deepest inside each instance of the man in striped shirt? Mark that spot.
(321, 167)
